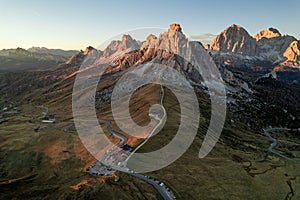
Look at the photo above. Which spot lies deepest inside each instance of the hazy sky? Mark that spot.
(76, 24)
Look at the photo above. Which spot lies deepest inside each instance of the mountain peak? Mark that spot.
(175, 27)
(127, 43)
(236, 28)
(234, 39)
(151, 37)
(173, 40)
(269, 33)
(88, 50)
(78, 58)
(126, 37)
(274, 30)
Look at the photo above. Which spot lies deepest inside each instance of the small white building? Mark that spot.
(51, 119)
(48, 121)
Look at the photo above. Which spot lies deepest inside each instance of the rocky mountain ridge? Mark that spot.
(241, 58)
(233, 47)
(268, 46)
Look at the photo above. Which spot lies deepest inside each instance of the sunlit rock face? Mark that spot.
(267, 46)
(175, 27)
(269, 33)
(116, 46)
(78, 58)
(234, 39)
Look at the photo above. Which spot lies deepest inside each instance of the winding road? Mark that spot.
(163, 190)
(161, 123)
(275, 142)
(122, 138)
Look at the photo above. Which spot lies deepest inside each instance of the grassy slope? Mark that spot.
(238, 167)
(43, 165)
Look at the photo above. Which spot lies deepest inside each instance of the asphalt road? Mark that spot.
(117, 135)
(275, 142)
(161, 122)
(165, 192)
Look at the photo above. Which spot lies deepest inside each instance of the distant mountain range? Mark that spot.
(57, 52)
(266, 46)
(233, 47)
(35, 58)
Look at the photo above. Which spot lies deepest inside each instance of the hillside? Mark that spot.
(14, 60)
(50, 160)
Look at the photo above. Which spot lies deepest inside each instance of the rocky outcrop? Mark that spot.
(269, 33)
(78, 58)
(128, 43)
(175, 27)
(173, 40)
(292, 53)
(89, 50)
(206, 46)
(112, 48)
(116, 46)
(151, 39)
(272, 49)
(234, 39)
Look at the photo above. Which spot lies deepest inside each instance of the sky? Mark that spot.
(75, 24)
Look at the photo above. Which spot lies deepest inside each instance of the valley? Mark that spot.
(250, 161)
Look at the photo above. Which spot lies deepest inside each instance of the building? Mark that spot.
(51, 119)
(127, 147)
